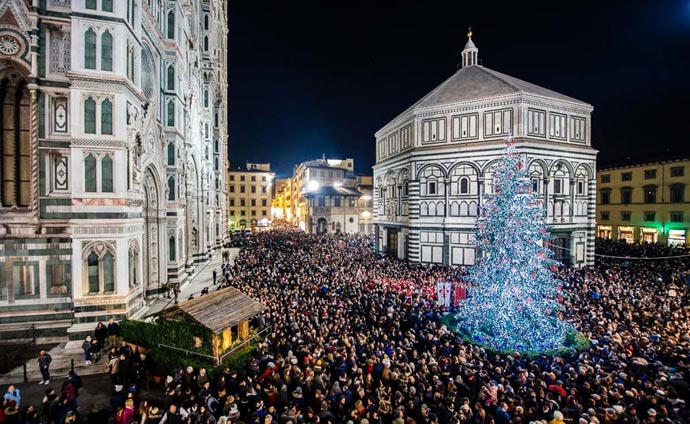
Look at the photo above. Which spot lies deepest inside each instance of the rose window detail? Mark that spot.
(9, 46)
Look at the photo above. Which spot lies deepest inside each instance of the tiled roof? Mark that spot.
(478, 82)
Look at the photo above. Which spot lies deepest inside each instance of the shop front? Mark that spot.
(604, 231)
(648, 235)
(676, 237)
(627, 234)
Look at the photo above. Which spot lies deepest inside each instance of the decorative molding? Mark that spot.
(80, 142)
(9, 45)
(61, 173)
(60, 115)
(61, 4)
(101, 84)
(93, 230)
(60, 51)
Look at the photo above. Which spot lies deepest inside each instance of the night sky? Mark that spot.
(313, 77)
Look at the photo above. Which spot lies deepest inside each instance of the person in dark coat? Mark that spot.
(44, 360)
(101, 334)
(171, 417)
(113, 333)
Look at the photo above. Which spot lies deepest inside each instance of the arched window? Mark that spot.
(171, 25)
(107, 5)
(171, 78)
(171, 154)
(90, 116)
(99, 267)
(206, 43)
(171, 113)
(106, 117)
(171, 188)
(90, 49)
(171, 249)
(107, 174)
(133, 265)
(206, 129)
(15, 153)
(108, 273)
(90, 4)
(106, 51)
(464, 185)
(92, 267)
(216, 146)
(206, 97)
(90, 174)
(216, 119)
(206, 22)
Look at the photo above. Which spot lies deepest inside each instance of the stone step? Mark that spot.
(59, 367)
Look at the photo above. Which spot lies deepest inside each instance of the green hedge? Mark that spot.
(180, 334)
(177, 333)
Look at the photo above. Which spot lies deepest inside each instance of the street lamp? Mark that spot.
(312, 185)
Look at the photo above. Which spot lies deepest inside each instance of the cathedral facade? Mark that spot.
(114, 152)
(435, 161)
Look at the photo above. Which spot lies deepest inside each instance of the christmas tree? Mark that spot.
(514, 305)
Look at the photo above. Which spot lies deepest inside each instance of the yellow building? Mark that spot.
(282, 199)
(645, 202)
(325, 196)
(250, 197)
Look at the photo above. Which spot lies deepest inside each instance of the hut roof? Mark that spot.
(218, 310)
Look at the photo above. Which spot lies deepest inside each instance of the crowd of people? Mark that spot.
(345, 348)
(356, 337)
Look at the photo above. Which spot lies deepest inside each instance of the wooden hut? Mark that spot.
(226, 313)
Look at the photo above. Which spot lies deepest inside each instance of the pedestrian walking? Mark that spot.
(44, 360)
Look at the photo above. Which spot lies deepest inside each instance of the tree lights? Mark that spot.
(514, 305)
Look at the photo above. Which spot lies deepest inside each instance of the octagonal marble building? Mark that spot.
(435, 161)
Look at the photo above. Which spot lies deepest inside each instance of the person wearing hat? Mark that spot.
(118, 398)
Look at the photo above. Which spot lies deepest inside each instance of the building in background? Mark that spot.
(113, 155)
(646, 202)
(435, 161)
(250, 197)
(325, 196)
(281, 206)
(365, 185)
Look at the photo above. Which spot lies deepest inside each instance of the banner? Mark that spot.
(460, 293)
(443, 293)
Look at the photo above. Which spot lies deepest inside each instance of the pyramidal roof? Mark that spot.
(477, 82)
(474, 82)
